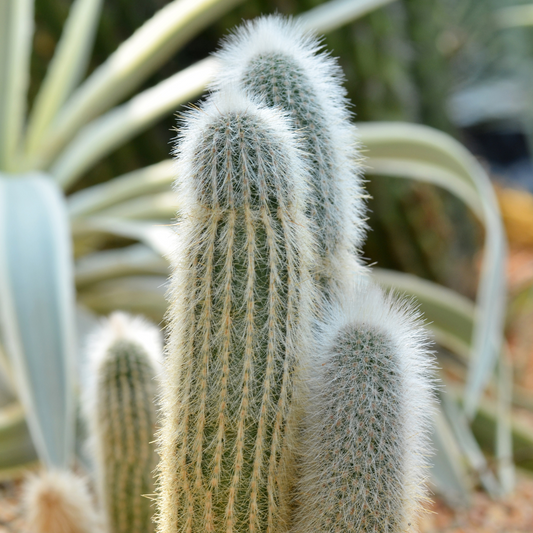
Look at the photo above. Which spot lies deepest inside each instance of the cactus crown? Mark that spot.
(275, 60)
(240, 317)
(60, 502)
(367, 432)
(126, 355)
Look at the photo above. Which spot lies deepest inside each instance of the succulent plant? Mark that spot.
(241, 311)
(366, 432)
(125, 355)
(276, 60)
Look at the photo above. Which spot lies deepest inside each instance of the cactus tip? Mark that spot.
(59, 502)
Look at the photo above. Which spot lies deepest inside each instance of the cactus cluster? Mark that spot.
(296, 395)
(125, 356)
(267, 285)
(274, 60)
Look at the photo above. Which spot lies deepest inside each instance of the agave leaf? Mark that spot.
(16, 32)
(132, 63)
(7, 394)
(107, 264)
(414, 142)
(153, 178)
(504, 439)
(37, 309)
(156, 236)
(66, 69)
(428, 173)
(16, 448)
(104, 134)
(160, 206)
(7, 380)
(467, 442)
(447, 471)
(444, 309)
(136, 294)
(332, 15)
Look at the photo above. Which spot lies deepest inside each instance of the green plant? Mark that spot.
(365, 444)
(241, 310)
(274, 59)
(127, 207)
(125, 357)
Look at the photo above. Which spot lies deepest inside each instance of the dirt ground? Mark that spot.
(514, 514)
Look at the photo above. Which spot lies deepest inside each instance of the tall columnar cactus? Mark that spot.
(274, 59)
(366, 431)
(240, 320)
(125, 355)
(59, 502)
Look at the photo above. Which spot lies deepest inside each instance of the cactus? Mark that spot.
(274, 59)
(59, 502)
(241, 304)
(366, 431)
(125, 355)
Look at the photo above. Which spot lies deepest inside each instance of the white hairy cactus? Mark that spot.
(125, 354)
(241, 301)
(274, 59)
(366, 445)
(59, 502)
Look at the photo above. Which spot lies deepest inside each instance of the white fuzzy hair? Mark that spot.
(123, 326)
(366, 308)
(231, 100)
(274, 34)
(59, 502)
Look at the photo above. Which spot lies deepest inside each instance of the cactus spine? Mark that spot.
(274, 59)
(125, 354)
(366, 432)
(240, 318)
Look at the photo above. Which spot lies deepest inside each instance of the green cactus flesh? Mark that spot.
(126, 416)
(238, 325)
(356, 480)
(283, 83)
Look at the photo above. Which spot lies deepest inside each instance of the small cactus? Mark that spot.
(240, 311)
(125, 355)
(59, 502)
(366, 431)
(274, 59)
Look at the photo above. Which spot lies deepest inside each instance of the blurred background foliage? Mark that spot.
(406, 61)
(454, 65)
